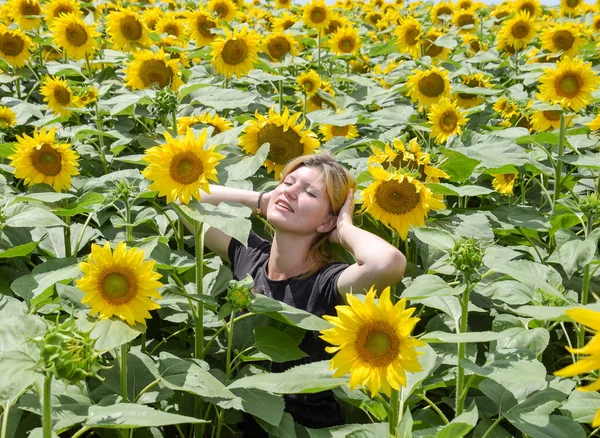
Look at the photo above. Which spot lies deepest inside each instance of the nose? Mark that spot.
(290, 191)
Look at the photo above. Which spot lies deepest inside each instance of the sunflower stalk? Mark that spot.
(461, 392)
(124, 372)
(281, 90)
(396, 411)
(558, 165)
(584, 300)
(319, 53)
(67, 232)
(46, 406)
(199, 335)
(229, 344)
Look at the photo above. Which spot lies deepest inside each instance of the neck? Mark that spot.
(289, 256)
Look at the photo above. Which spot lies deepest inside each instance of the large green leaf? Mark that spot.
(460, 425)
(248, 166)
(301, 379)
(546, 426)
(261, 404)
(427, 286)
(110, 333)
(285, 313)
(331, 117)
(437, 336)
(435, 237)
(29, 216)
(576, 254)
(458, 165)
(130, 415)
(224, 98)
(19, 250)
(582, 406)
(277, 345)
(16, 375)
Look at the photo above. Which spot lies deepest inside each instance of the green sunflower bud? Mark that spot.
(124, 190)
(166, 101)
(590, 205)
(68, 353)
(467, 257)
(240, 296)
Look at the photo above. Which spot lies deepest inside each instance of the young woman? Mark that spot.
(312, 205)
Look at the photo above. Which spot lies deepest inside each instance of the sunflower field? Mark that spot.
(471, 130)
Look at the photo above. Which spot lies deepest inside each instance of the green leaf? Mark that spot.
(110, 333)
(542, 137)
(591, 161)
(460, 425)
(16, 375)
(447, 304)
(17, 332)
(544, 313)
(427, 286)
(290, 315)
(562, 217)
(331, 117)
(249, 165)
(229, 218)
(302, 379)
(261, 404)
(429, 362)
(6, 149)
(224, 98)
(445, 337)
(383, 49)
(536, 340)
(546, 426)
(28, 216)
(184, 375)
(576, 254)
(375, 430)
(582, 406)
(457, 165)
(45, 276)
(82, 205)
(48, 198)
(131, 415)
(506, 291)
(513, 216)
(435, 237)
(277, 345)
(19, 250)
(492, 152)
(466, 190)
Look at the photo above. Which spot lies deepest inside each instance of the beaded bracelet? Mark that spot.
(258, 210)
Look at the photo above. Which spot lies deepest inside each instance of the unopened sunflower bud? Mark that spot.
(467, 257)
(590, 205)
(240, 297)
(68, 353)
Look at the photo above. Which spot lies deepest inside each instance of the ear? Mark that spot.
(328, 225)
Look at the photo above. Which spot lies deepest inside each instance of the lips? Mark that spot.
(284, 204)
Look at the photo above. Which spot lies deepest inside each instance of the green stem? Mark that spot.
(124, 372)
(319, 52)
(143, 342)
(304, 108)
(229, 345)
(166, 339)
(47, 407)
(18, 86)
(492, 426)
(219, 423)
(558, 165)
(394, 415)
(5, 419)
(220, 330)
(148, 387)
(99, 126)
(199, 338)
(128, 225)
(174, 122)
(85, 224)
(584, 300)
(462, 349)
(81, 431)
(435, 408)
(281, 91)
(180, 234)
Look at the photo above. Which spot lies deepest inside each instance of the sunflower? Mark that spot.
(285, 135)
(467, 100)
(26, 13)
(119, 283)
(8, 118)
(323, 97)
(565, 38)
(473, 43)
(331, 131)
(151, 16)
(398, 200)
(501, 11)
(277, 45)
(223, 9)
(173, 31)
(284, 22)
(372, 342)
(441, 9)
(409, 34)
(39, 159)
(88, 96)
(127, 30)
(218, 123)
(504, 183)
(545, 120)
(15, 46)
(58, 95)
(181, 167)
(465, 4)
(309, 82)
(465, 20)
(317, 15)
(148, 70)
(283, 4)
(373, 18)
(446, 119)
(56, 8)
(337, 22)
(570, 7)
(594, 125)
(345, 41)
(433, 50)
(411, 159)
(591, 320)
(201, 24)
(532, 6)
(518, 31)
(236, 53)
(570, 84)
(429, 86)
(74, 37)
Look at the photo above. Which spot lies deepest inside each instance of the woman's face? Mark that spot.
(300, 203)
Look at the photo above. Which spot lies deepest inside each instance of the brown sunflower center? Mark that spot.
(204, 26)
(520, 29)
(118, 287)
(501, 14)
(186, 168)
(76, 34)
(377, 344)
(563, 40)
(11, 45)
(308, 85)
(465, 20)
(568, 85)
(234, 52)
(62, 95)
(334, 25)
(432, 85)
(30, 8)
(411, 36)
(5, 121)
(221, 9)
(397, 197)
(284, 145)
(131, 28)
(465, 5)
(553, 116)
(346, 44)
(172, 29)
(527, 7)
(62, 9)
(374, 18)
(339, 131)
(444, 10)
(47, 160)
(278, 47)
(448, 121)
(318, 14)
(431, 49)
(573, 3)
(155, 71)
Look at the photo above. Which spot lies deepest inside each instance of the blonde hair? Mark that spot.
(338, 181)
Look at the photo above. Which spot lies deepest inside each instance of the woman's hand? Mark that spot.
(264, 203)
(344, 218)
